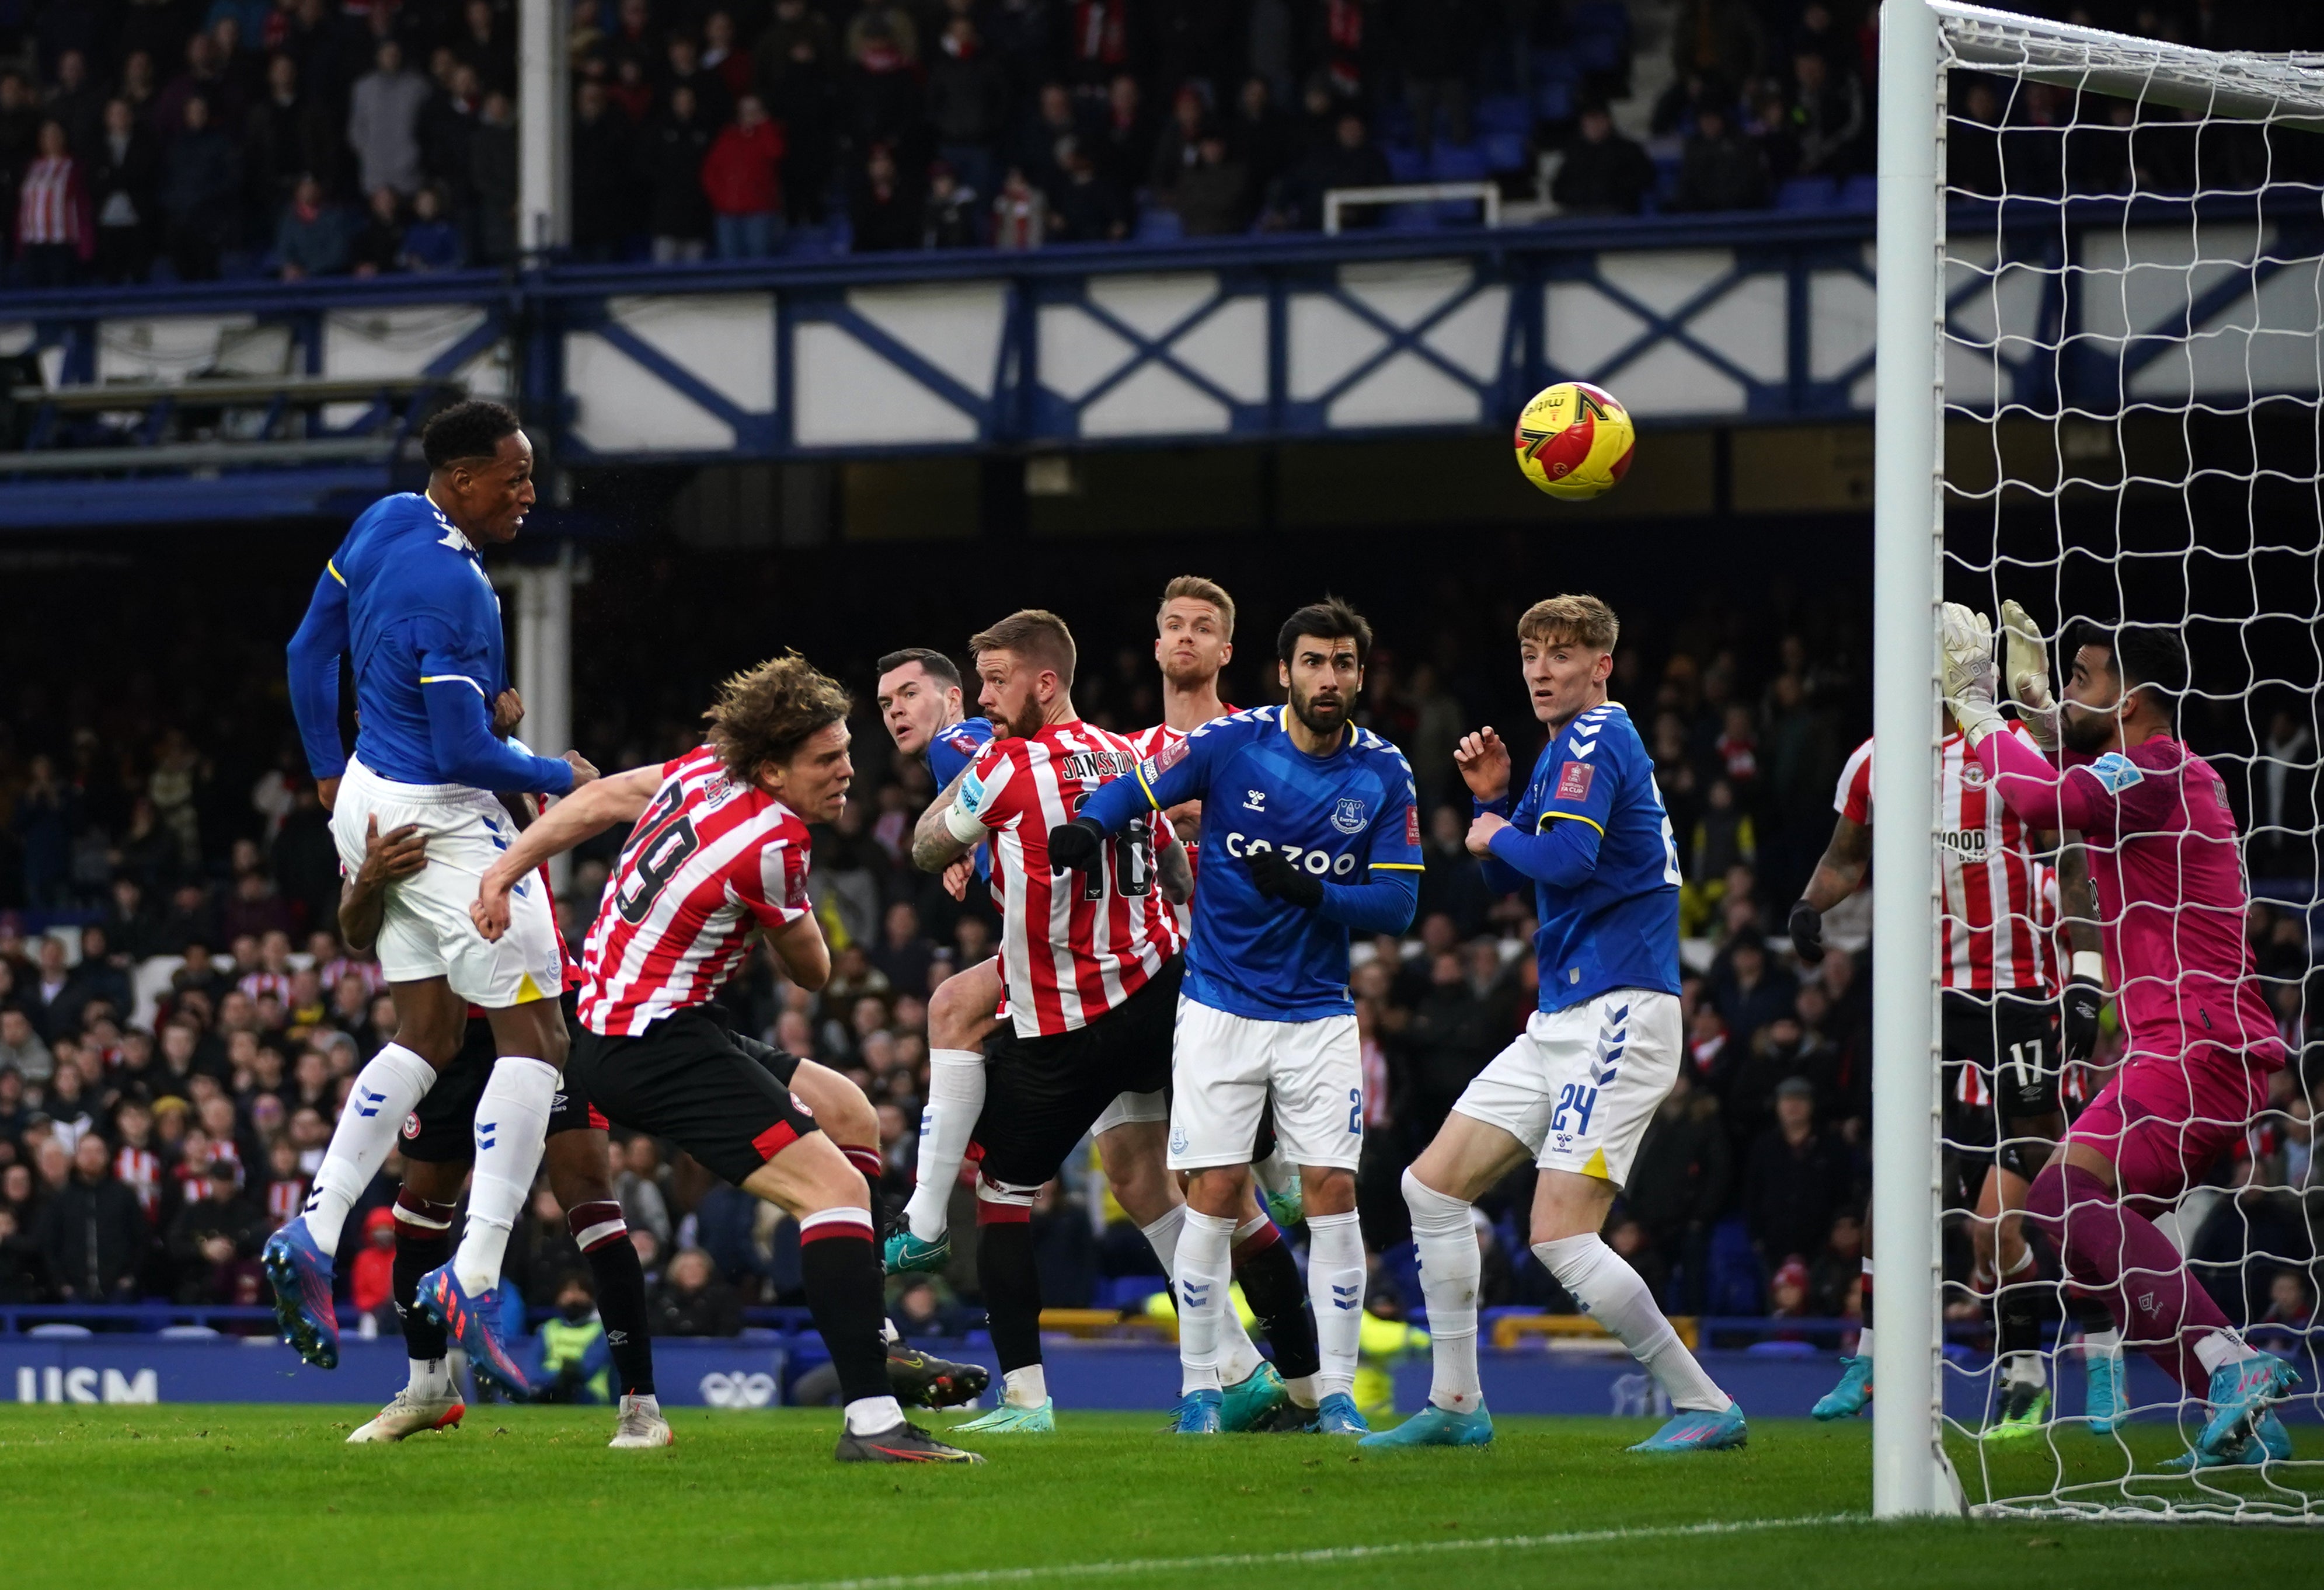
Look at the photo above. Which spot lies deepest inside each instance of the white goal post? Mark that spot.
(1922, 43)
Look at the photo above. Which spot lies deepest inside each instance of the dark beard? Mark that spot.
(2086, 732)
(1322, 723)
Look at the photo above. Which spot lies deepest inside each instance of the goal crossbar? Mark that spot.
(2288, 90)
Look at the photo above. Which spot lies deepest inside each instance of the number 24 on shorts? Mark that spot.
(1580, 1098)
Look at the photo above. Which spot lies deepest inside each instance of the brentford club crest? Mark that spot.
(1973, 774)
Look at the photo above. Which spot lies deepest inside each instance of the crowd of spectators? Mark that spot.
(193, 138)
(179, 1022)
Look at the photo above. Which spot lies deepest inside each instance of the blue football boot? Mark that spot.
(2269, 1442)
(904, 1252)
(1336, 1415)
(1696, 1431)
(2240, 1393)
(1196, 1414)
(1437, 1427)
(2106, 1401)
(471, 1317)
(299, 1273)
(1251, 1402)
(1852, 1395)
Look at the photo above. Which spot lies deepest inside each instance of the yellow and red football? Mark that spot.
(1574, 440)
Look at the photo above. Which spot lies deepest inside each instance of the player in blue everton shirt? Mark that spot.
(1575, 1091)
(406, 596)
(1308, 831)
(921, 702)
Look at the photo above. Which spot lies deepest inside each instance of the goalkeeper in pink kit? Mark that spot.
(2202, 1045)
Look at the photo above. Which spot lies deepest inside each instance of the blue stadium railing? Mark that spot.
(1742, 318)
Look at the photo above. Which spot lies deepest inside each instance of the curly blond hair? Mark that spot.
(764, 714)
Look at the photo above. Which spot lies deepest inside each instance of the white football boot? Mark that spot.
(411, 1415)
(642, 1425)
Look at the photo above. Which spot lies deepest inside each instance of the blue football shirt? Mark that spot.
(950, 749)
(1617, 927)
(1338, 816)
(406, 596)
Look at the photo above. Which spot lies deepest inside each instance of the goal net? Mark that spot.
(2130, 382)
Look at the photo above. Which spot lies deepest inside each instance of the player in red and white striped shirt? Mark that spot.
(717, 851)
(2006, 1037)
(1091, 961)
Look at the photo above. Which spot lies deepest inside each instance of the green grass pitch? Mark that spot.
(167, 1497)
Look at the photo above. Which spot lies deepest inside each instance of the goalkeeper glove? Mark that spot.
(2084, 997)
(2025, 669)
(1279, 877)
(1965, 639)
(1075, 846)
(1806, 928)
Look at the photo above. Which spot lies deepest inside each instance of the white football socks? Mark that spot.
(1239, 1357)
(947, 1122)
(431, 1379)
(1451, 1268)
(512, 1125)
(2220, 1348)
(1025, 1386)
(1335, 1291)
(386, 1090)
(867, 1416)
(1610, 1292)
(1204, 1269)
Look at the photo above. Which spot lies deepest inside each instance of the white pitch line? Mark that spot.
(1325, 1554)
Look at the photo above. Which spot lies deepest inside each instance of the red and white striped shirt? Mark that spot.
(1077, 945)
(48, 202)
(1150, 743)
(2000, 912)
(139, 1170)
(710, 860)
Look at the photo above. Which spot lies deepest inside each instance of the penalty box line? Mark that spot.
(1318, 1555)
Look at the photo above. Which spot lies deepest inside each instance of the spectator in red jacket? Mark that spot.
(744, 179)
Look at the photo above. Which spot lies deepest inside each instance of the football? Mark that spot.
(1574, 440)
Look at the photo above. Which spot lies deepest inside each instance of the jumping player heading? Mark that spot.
(407, 595)
(2202, 1042)
(718, 852)
(1576, 1090)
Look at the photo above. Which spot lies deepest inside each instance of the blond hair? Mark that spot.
(1195, 588)
(764, 714)
(1573, 620)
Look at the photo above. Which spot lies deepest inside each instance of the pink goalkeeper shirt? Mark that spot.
(2161, 844)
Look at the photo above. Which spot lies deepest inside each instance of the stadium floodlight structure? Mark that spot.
(2115, 400)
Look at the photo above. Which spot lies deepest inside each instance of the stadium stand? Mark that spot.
(170, 990)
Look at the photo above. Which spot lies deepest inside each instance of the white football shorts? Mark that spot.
(1224, 1067)
(1128, 1108)
(427, 933)
(1579, 1086)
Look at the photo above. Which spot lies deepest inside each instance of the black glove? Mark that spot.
(1807, 933)
(2078, 1017)
(1279, 877)
(1076, 846)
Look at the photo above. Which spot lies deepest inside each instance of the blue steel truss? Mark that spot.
(1478, 347)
